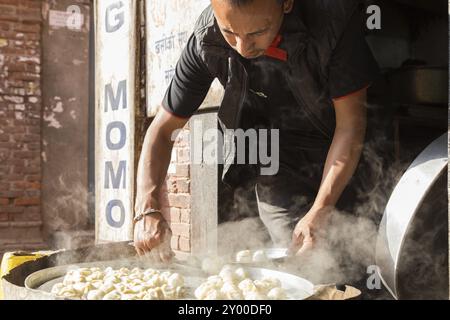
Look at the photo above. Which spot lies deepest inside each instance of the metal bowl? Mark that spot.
(42, 281)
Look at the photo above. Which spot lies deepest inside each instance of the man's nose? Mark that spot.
(244, 47)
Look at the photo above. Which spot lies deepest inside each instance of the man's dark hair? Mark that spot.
(240, 3)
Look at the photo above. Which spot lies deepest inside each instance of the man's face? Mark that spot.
(250, 29)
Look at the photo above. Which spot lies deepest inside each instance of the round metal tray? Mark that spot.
(42, 281)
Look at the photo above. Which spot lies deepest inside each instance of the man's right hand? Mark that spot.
(152, 236)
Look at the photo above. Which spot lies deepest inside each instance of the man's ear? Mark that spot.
(287, 6)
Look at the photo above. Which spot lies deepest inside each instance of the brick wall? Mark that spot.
(176, 202)
(20, 119)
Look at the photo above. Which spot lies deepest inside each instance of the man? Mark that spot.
(302, 67)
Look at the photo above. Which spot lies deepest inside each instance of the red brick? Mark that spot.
(4, 137)
(183, 155)
(174, 242)
(4, 201)
(32, 170)
(24, 154)
(26, 216)
(18, 169)
(27, 137)
(34, 130)
(182, 170)
(19, 185)
(181, 229)
(28, 14)
(27, 201)
(7, 145)
(4, 217)
(182, 139)
(184, 244)
(33, 193)
(11, 209)
(13, 177)
(183, 185)
(185, 216)
(171, 185)
(29, 27)
(24, 76)
(175, 215)
(179, 200)
(15, 162)
(4, 186)
(20, 129)
(34, 146)
(11, 194)
(7, 12)
(33, 178)
(5, 26)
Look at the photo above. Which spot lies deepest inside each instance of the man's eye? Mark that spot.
(259, 33)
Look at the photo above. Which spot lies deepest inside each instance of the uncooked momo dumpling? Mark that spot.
(277, 294)
(175, 280)
(95, 295)
(259, 256)
(241, 274)
(113, 295)
(228, 275)
(244, 256)
(231, 291)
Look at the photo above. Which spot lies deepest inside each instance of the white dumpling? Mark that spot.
(247, 285)
(253, 295)
(274, 282)
(124, 271)
(175, 280)
(231, 291)
(96, 295)
(155, 281)
(154, 294)
(113, 295)
(107, 287)
(263, 286)
(244, 256)
(259, 256)
(213, 294)
(240, 274)
(215, 281)
(228, 275)
(277, 294)
(201, 292)
(179, 292)
(169, 292)
(80, 287)
(108, 270)
(57, 288)
(128, 296)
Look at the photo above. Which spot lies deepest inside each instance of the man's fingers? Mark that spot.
(138, 249)
(296, 243)
(166, 255)
(306, 247)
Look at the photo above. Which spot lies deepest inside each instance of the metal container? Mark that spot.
(34, 279)
(419, 85)
(412, 244)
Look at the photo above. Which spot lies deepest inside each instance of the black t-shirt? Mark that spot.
(350, 68)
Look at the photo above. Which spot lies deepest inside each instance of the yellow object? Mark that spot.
(14, 259)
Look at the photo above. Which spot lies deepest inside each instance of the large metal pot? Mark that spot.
(412, 244)
(419, 85)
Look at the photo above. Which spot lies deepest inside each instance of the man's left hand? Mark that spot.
(308, 231)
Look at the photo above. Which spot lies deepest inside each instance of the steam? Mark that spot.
(67, 220)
